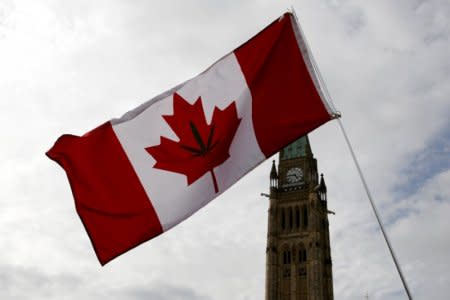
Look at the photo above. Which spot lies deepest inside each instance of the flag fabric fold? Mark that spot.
(136, 177)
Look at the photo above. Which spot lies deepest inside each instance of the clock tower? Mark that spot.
(298, 258)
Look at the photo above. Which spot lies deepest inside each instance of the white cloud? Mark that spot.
(65, 68)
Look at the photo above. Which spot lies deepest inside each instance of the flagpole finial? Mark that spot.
(336, 115)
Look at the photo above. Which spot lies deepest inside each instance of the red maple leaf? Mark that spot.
(202, 146)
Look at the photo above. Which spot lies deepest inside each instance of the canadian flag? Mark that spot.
(137, 176)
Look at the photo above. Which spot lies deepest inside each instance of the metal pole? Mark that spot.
(369, 195)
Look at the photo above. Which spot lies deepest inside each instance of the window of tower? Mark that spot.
(305, 216)
(286, 257)
(297, 217)
(302, 254)
(290, 219)
(283, 219)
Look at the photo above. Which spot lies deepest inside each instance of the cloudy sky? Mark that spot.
(68, 66)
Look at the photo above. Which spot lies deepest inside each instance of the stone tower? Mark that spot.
(298, 259)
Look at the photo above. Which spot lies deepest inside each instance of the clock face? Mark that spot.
(294, 175)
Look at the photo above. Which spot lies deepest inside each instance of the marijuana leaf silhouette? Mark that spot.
(202, 146)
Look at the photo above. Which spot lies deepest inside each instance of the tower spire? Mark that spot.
(273, 177)
(321, 189)
(273, 171)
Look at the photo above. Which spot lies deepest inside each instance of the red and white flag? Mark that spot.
(137, 176)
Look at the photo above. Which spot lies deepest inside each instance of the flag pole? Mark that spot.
(375, 210)
(337, 116)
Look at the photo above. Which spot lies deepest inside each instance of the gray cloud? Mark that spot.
(421, 166)
(18, 282)
(164, 292)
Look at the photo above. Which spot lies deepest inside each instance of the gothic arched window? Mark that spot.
(283, 219)
(302, 254)
(297, 217)
(305, 216)
(286, 257)
(291, 221)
